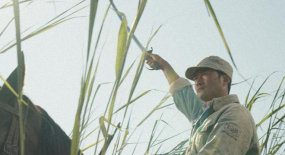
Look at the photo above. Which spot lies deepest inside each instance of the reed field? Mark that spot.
(117, 105)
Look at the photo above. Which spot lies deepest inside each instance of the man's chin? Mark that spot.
(202, 96)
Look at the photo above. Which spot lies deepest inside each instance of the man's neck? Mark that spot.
(209, 102)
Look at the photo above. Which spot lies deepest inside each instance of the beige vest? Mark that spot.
(229, 130)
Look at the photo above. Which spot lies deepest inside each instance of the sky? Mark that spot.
(254, 31)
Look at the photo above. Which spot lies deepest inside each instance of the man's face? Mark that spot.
(208, 84)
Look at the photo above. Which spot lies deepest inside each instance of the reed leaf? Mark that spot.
(132, 101)
(120, 60)
(280, 120)
(88, 98)
(136, 144)
(76, 127)
(49, 25)
(84, 84)
(12, 90)
(96, 68)
(256, 94)
(55, 19)
(90, 89)
(277, 92)
(270, 115)
(6, 26)
(134, 37)
(127, 72)
(136, 21)
(93, 10)
(122, 50)
(125, 136)
(101, 29)
(166, 106)
(90, 112)
(9, 5)
(35, 33)
(20, 75)
(108, 141)
(139, 70)
(169, 138)
(151, 137)
(102, 126)
(208, 4)
(121, 47)
(90, 133)
(161, 102)
(91, 145)
(178, 149)
(277, 147)
(237, 83)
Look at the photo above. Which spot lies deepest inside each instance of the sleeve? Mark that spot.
(231, 135)
(185, 99)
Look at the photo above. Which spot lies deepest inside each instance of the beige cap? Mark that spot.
(213, 62)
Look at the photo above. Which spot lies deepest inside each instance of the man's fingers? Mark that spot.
(149, 56)
(154, 60)
(149, 62)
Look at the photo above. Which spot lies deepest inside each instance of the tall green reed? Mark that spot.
(20, 74)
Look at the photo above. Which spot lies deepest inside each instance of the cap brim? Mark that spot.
(190, 72)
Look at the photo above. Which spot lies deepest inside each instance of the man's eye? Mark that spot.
(203, 75)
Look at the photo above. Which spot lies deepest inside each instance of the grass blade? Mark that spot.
(93, 10)
(20, 73)
(121, 47)
(270, 114)
(254, 97)
(127, 72)
(9, 5)
(136, 144)
(220, 30)
(44, 28)
(162, 101)
(6, 26)
(151, 137)
(139, 71)
(84, 84)
(91, 145)
(138, 97)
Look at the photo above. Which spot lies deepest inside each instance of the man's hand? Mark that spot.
(151, 59)
(168, 71)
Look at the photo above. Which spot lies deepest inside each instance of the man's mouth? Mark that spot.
(200, 89)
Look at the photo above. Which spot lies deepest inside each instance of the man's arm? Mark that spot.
(168, 71)
(183, 94)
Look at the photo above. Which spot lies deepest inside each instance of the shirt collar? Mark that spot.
(220, 102)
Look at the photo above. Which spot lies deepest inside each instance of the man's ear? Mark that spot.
(226, 80)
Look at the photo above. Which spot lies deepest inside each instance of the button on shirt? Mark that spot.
(224, 127)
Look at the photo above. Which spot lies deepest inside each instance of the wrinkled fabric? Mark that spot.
(225, 127)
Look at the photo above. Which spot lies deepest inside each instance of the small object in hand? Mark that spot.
(149, 51)
(156, 66)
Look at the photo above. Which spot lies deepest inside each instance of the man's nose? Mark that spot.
(198, 80)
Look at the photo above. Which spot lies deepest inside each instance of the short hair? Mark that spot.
(220, 73)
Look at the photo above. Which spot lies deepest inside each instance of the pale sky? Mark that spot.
(253, 29)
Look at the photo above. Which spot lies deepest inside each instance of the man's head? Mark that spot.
(212, 77)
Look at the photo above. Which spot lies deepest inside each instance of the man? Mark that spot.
(221, 125)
